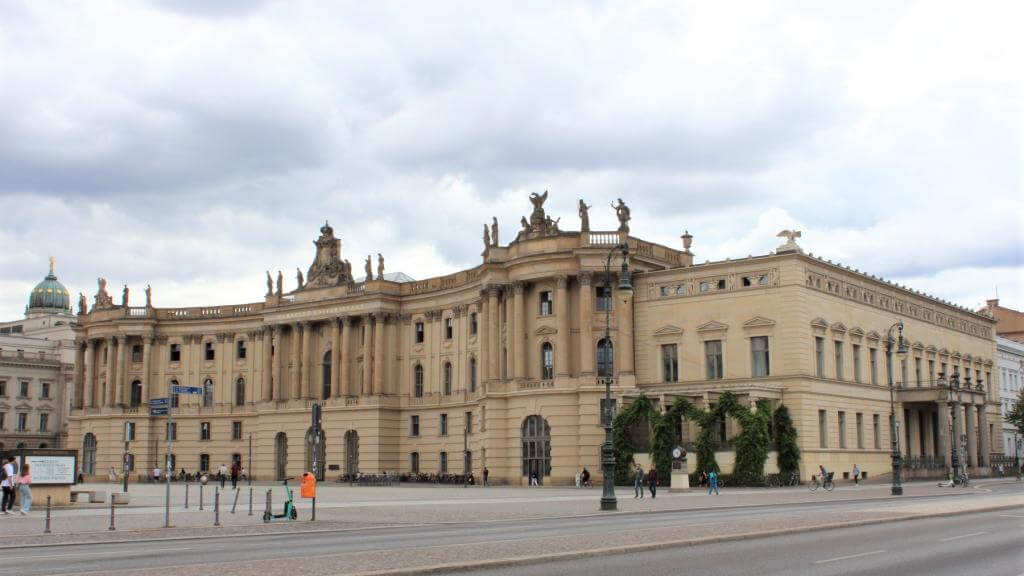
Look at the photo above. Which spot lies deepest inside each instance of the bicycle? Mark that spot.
(828, 485)
(793, 480)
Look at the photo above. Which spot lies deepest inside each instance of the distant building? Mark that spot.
(1010, 367)
(37, 357)
(1010, 322)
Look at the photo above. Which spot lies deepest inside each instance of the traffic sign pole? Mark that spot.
(167, 467)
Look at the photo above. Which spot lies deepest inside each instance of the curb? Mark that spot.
(598, 552)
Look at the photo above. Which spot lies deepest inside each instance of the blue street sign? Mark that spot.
(158, 402)
(158, 411)
(187, 390)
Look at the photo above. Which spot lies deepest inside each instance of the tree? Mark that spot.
(1015, 415)
(784, 436)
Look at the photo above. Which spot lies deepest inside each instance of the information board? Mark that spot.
(51, 469)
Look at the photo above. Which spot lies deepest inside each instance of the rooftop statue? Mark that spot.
(790, 245)
(369, 268)
(149, 296)
(298, 277)
(487, 237)
(280, 282)
(83, 304)
(380, 266)
(584, 216)
(327, 268)
(103, 300)
(270, 284)
(622, 212)
(124, 296)
(494, 231)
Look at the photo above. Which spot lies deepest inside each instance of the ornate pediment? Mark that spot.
(943, 352)
(759, 322)
(545, 331)
(856, 332)
(919, 346)
(872, 335)
(819, 322)
(838, 327)
(712, 326)
(668, 330)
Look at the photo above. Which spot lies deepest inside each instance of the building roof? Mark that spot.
(49, 294)
(1009, 322)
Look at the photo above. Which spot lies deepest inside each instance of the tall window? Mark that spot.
(442, 466)
(209, 352)
(857, 376)
(472, 324)
(240, 349)
(547, 361)
(414, 425)
(417, 381)
(819, 356)
(204, 430)
(207, 393)
(414, 462)
(877, 431)
(860, 431)
(129, 429)
(449, 328)
(605, 355)
(136, 392)
(842, 429)
(822, 429)
(172, 431)
(903, 373)
(419, 332)
(44, 419)
(240, 392)
(669, 363)
(545, 303)
(839, 359)
(23, 393)
(136, 353)
(873, 354)
(604, 298)
(447, 378)
(175, 354)
(236, 430)
(759, 363)
(22, 421)
(204, 462)
(536, 447)
(713, 359)
(917, 371)
(443, 425)
(325, 375)
(44, 388)
(469, 422)
(472, 374)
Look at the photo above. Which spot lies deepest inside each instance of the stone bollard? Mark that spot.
(216, 507)
(269, 512)
(186, 495)
(200, 496)
(250, 500)
(46, 530)
(235, 503)
(111, 511)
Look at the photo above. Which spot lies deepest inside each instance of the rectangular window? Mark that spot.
(240, 350)
(759, 363)
(3, 389)
(414, 425)
(175, 353)
(842, 429)
(414, 462)
(3, 420)
(472, 323)
(669, 363)
(209, 352)
(860, 431)
(472, 374)
(419, 332)
(822, 429)
(917, 371)
(876, 429)
(713, 359)
(44, 390)
(839, 359)
(23, 393)
(545, 303)
(819, 356)
(443, 463)
(873, 356)
(129, 431)
(204, 430)
(44, 419)
(857, 376)
(444, 425)
(236, 430)
(22, 421)
(903, 373)
(449, 328)
(172, 431)
(136, 353)
(604, 298)
(469, 422)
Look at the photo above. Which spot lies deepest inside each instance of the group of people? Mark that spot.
(639, 478)
(583, 479)
(11, 477)
(709, 478)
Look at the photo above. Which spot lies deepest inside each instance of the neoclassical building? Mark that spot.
(500, 365)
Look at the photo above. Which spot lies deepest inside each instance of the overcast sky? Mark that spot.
(192, 145)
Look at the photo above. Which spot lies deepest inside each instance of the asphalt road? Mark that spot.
(152, 553)
(982, 544)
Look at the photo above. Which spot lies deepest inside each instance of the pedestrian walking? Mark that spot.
(712, 482)
(235, 470)
(638, 482)
(703, 478)
(222, 474)
(534, 481)
(112, 474)
(80, 479)
(486, 473)
(25, 489)
(7, 482)
(585, 478)
(652, 481)
(156, 474)
(856, 475)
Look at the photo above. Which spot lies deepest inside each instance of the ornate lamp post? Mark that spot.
(901, 349)
(953, 397)
(608, 501)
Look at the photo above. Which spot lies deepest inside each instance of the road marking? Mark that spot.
(1013, 516)
(951, 538)
(872, 553)
(105, 553)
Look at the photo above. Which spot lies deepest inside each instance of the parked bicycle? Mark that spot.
(827, 484)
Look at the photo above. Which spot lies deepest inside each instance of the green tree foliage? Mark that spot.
(1015, 416)
(784, 437)
(622, 442)
(753, 443)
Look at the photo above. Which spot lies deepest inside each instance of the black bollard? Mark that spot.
(200, 496)
(250, 500)
(235, 503)
(186, 495)
(216, 507)
(111, 511)
(47, 529)
(269, 511)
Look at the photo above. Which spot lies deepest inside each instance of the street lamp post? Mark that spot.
(953, 395)
(608, 501)
(901, 349)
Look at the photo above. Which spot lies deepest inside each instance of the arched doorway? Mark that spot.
(321, 452)
(281, 456)
(89, 454)
(351, 452)
(536, 448)
(325, 377)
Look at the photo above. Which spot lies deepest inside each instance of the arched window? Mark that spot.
(207, 393)
(136, 400)
(447, 378)
(325, 377)
(536, 448)
(547, 361)
(605, 358)
(240, 392)
(472, 374)
(417, 381)
(89, 454)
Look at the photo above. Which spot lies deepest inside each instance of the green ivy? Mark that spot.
(784, 437)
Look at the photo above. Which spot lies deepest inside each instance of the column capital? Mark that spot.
(348, 320)
(458, 310)
(161, 339)
(110, 340)
(405, 319)
(561, 280)
(585, 277)
(518, 287)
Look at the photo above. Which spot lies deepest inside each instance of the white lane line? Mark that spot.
(872, 553)
(105, 553)
(1013, 516)
(951, 538)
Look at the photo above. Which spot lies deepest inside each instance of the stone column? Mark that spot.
(88, 394)
(275, 361)
(335, 355)
(79, 382)
(929, 437)
(295, 383)
(913, 446)
(624, 348)
(394, 377)
(222, 393)
(493, 346)
(120, 370)
(367, 387)
(943, 415)
(972, 433)
(587, 366)
(378, 353)
(562, 316)
(267, 385)
(304, 360)
(108, 396)
(345, 374)
(147, 367)
(983, 434)
(518, 330)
